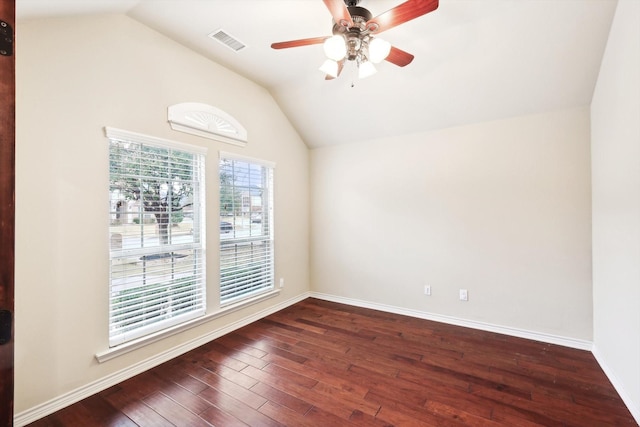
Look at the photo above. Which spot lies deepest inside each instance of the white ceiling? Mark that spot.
(475, 60)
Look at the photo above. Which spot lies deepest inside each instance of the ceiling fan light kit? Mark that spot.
(353, 36)
(330, 68)
(365, 52)
(379, 49)
(366, 69)
(335, 48)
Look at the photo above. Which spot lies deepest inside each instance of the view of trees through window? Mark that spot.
(157, 199)
(157, 258)
(144, 177)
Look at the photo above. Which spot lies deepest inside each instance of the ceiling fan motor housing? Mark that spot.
(360, 16)
(357, 36)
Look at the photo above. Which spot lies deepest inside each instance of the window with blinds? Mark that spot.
(157, 244)
(246, 227)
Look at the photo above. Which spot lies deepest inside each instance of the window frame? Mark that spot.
(267, 223)
(187, 298)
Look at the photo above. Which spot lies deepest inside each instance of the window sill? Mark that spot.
(144, 341)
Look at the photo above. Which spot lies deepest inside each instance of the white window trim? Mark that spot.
(243, 158)
(124, 135)
(268, 164)
(134, 345)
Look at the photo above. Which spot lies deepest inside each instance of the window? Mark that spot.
(157, 246)
(246, 227)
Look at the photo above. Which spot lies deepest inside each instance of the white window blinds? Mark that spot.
(157, 246)
(246, 227)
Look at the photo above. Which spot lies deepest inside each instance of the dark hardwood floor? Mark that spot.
(319, 363)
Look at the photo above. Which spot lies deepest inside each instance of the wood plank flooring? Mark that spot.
(319, 363)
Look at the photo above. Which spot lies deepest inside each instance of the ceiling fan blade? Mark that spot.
(339, 12)
(298, 43)
(400, 14)
(399, 57)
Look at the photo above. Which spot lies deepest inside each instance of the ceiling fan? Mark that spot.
(353, 38)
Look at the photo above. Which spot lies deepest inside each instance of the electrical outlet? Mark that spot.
(282, 282)
(464, 296)
(427, 290)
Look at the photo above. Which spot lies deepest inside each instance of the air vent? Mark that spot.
(227, 40)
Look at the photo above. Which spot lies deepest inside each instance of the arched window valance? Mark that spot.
(206, 121)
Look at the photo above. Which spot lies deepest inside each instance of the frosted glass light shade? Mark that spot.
(330, 67)
(366, 69)
(378, 50)
(335, 48)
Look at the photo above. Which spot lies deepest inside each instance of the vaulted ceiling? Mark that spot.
(475, 60)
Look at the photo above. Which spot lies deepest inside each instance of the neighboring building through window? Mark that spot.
(246, 227)
(157, 246)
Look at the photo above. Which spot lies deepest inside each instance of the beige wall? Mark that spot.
(76, 76)
(615, 118)
(502, 209)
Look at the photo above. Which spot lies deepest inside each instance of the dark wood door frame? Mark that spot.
(7, 207)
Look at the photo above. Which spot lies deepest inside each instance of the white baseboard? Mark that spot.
(521, 333)
(60, 402)
(633, 407)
